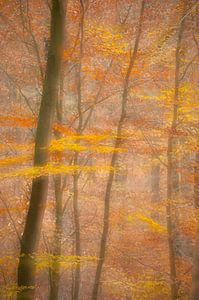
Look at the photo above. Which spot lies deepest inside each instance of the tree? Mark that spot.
(104, 237)
(172, 174)
(32, 230)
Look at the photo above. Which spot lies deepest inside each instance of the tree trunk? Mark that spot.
(58, 186)
(155, 188)
(77, 232)
(104, 237)
(196, 181)
(155, 182)
(172, 174)
(195, 272)
(76, 158)
(195, 276)
(55, 272)
(34, 219)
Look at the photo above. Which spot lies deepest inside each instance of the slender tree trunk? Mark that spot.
(77, 272)
(55, 272)
(34, 219)
(155, 188)
(77, 232)
(172, 174)
(195, 276)
(104, 237)
(170, 230)
(196, 180)
(58, 185)
(155, 182)
(195, 272)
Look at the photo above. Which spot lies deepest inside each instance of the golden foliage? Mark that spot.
(10, 120)
(148, 287)
(149, 221)
(62, 144)
(107, 40)
(53, 169)
(9, 291)
(59, 145)
(47, 260)
(14, 160)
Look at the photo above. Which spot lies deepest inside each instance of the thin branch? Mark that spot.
(97, 97)
(154, 150)
(11, 218)
(188, 12)
(18, 88)
(28, 28)
(65, 204)
(187, 67)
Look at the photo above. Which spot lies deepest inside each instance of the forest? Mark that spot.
(99, 157)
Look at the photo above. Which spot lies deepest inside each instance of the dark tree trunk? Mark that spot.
(104, 237)
(172, 173)
(34, 219)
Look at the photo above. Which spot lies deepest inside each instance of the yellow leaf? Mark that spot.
(149, 221)
(52, 168)
(14, 160)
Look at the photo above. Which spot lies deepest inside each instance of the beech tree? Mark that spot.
(107, 198)
(172, 173)
(33, 224)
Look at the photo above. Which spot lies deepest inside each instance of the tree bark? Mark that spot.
(172, 174)
(196, 180)
(155, 182)
(155, 188)
(77, 232)
(195, 276)
(34, 219)
(104, 237)
(195, 273)
(58, 186)
(55, 272)
(77, 272)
